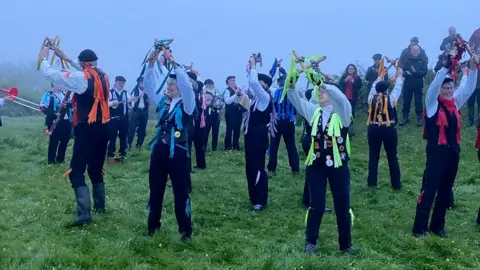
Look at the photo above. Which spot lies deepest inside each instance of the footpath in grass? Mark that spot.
(36, 203)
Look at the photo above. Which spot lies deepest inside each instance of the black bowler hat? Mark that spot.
(265, 78)
(87, 56)
(120, 79)
(377, 56)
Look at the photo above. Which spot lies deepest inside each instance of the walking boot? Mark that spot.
(405, 121)
(419, 121)
(99, 198)
(82, 195)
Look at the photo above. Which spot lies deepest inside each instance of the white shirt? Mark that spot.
(263, 98)
(394, 95)
(184, 86)
(339, 104)
(461, 95)
(73, 81)
(123, 97)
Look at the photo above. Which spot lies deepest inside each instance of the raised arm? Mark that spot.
(303, 107)
(397, 90)
(186, 89)
(340, 104)
(76, 65)
(258, 91)
(150, 84)
(431, 102)
(229, 99)
(466, 88)
(71, 81)
(373, 90)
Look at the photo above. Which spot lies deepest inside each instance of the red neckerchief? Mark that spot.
(442, 122)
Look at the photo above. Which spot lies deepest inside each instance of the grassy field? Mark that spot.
(36, 203)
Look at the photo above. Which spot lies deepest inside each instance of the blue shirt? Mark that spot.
(285, 110)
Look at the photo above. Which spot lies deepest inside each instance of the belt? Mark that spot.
(377, 123)
(118, 117)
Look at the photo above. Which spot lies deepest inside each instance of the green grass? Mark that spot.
(36, 203)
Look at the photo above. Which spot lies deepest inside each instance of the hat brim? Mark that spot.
(265, 78)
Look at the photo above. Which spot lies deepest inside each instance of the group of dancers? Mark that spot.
(96, 113)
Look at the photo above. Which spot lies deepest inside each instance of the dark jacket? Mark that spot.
(446, 41)
(415, 79)
(356, 86)
(372, 75)
(406, 54)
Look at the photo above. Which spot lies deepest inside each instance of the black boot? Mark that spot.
(99, 198)
(82, 195)
(405, 121)
(419, 121)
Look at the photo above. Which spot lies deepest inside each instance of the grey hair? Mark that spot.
(92, 64)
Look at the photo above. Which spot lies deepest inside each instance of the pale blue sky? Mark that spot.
(219, 36)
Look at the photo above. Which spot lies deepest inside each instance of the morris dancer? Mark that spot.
(306, 142)
(382, 129)
(328, 159)
(118, 119)
(213, 112)
(50, 105)
(285, 126)
(256, 126)
(169, 147)
(233, 115)
(442, 132)
(139, 115)
(90, 121)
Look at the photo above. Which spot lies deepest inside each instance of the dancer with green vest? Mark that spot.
(327, 159)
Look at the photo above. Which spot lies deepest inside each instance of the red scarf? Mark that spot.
(349, 88)
(442, 122)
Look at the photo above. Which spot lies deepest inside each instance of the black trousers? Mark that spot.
(138, 123)
(89, 150)
(213, 124)
(286, 129)
(118, 128)
(410, 93)
(58, 141)
(196, 137)
(471, 105)
(440, 172)
(378, 135)
(232, 135)
(451, 200)
(306, 141)
(162, 166)
(353, 103)
(256, 145)
(339, 180)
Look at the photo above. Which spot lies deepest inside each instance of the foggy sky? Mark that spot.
(218, 36)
